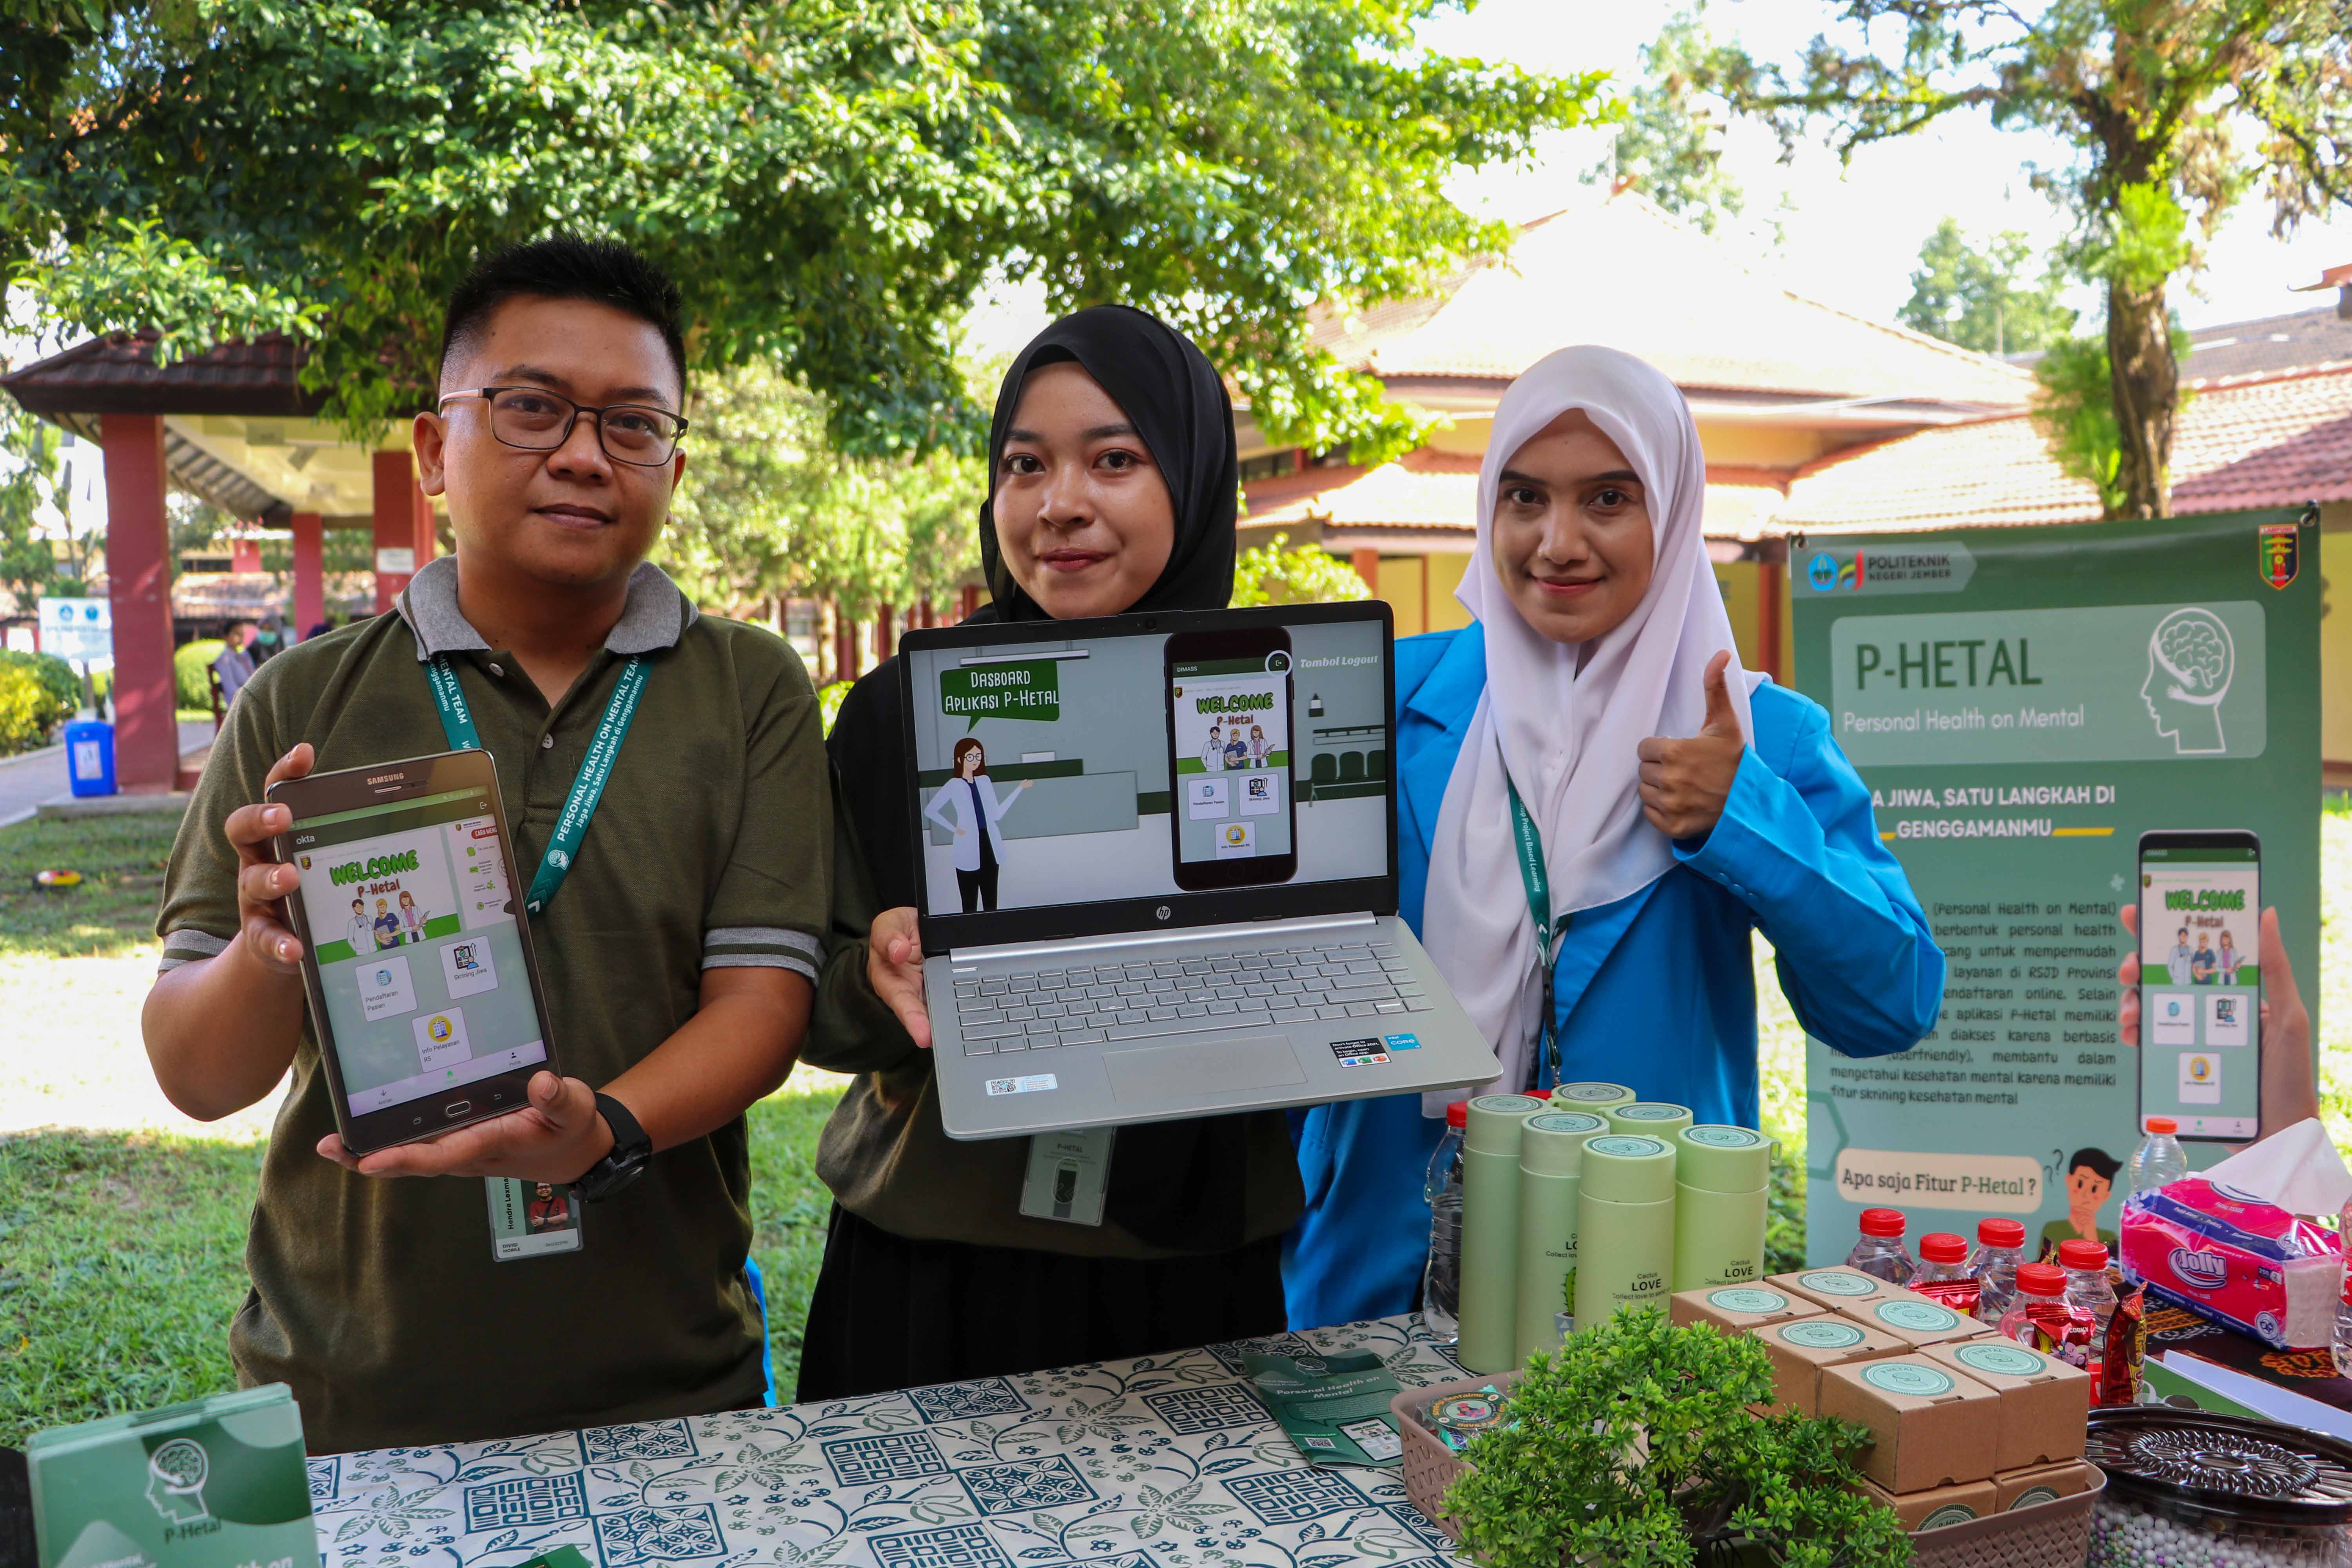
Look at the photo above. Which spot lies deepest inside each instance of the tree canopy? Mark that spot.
(1985, 298)
(832, 182)
(2169, 111)
(1669, 145)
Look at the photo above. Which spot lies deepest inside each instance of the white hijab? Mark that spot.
(1566, 736)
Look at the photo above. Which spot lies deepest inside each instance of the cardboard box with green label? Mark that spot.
(1803, 1348)
(1929, 1427)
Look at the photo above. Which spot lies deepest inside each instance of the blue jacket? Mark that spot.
(1656, 991)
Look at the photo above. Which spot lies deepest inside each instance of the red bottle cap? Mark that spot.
(1458, 1114)
(2041, 1280)
(1943, 1247)
(2164, 1124)
(2002, 1232)
(1882, 1222)
(2082, 1255)
(1540, 1094)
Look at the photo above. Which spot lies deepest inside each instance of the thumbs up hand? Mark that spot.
(1685, 782)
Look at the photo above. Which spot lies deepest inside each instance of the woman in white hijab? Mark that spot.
(1596, 713)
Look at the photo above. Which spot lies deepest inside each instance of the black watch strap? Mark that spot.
(624, 1162)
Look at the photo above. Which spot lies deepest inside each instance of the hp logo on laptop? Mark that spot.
(1163, 911)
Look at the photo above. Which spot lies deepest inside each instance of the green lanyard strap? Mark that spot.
(1537, 880)
(587, 786)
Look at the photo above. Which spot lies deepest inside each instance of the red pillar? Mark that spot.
(1769, 574)
(245, 555)
(395, 526)
(885, 633)
(139, 588)
(1368, 566)
(424, 539)
(310, 576)
(970, 600)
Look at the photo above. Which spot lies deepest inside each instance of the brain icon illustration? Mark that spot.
(182, 1463)
(2196, 649)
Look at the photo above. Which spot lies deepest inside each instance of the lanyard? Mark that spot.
(1537, 882)
(587, 787)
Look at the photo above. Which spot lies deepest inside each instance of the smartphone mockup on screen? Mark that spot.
(2200, 983)
(1233, 822)
(422, 987)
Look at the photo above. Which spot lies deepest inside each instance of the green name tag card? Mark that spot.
(218, 1482)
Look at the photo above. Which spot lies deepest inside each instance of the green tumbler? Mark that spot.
(1625, 1226)
(1551, 1157)
(1721, 1178)
(1490, 1229)
(1650, 1117)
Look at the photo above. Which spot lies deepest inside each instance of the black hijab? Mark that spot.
(1179, 408)
(1178, 1184)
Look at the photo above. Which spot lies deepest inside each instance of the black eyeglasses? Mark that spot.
(538, 420)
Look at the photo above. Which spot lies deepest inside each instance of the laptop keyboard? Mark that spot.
(1152, 999)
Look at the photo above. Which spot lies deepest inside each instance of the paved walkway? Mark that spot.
(31, 781)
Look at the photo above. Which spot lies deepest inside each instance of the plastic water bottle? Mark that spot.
(1944, 1274)
(1440, 1284)
(2000, 1247)
(2087, 1289)
(2160, 1157)
(1880, 1252)
(2041, 1317)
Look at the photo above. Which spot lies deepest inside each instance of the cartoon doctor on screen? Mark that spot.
(969, 807)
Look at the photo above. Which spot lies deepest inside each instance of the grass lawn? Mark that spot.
(110, 914)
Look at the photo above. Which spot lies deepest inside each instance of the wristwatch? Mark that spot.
(624, 1162)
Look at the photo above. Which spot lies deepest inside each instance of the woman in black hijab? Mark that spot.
(1112, 488)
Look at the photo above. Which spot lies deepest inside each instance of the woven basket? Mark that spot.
(2046, 1535)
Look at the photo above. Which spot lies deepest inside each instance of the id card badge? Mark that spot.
(532, 1219)
(1068, 1172)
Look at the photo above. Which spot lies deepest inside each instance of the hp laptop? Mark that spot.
(1159, 870)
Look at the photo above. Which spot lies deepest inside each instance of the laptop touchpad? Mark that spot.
(1211, 1066)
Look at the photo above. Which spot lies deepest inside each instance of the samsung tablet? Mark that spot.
(418, 965)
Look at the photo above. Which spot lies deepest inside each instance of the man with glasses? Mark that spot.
(677, 953)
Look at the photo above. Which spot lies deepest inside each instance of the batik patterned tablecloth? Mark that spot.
(1163, 1462)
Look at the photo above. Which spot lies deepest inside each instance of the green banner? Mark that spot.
(2023, 704)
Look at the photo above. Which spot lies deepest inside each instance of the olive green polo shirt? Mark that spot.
(377, 1299)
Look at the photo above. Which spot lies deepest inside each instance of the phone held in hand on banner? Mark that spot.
(422, 983)
(2200, 983)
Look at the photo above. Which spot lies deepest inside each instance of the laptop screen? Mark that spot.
(1062, 771)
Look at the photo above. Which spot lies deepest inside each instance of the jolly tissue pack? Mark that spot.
(218, 1482)
(2230, 1246)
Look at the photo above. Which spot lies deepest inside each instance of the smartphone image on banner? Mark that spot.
(422, 987)
(1233, 821)
(2200, 983)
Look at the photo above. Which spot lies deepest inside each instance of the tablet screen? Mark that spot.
(419, 960)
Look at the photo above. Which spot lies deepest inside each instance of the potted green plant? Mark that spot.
(1634, 1447)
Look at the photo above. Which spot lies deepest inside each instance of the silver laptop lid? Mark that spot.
(1139, 772)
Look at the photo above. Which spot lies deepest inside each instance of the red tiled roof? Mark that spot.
(2256, 441)
(118, 374)
(1626, 273)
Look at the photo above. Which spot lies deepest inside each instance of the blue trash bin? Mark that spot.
(90, 756)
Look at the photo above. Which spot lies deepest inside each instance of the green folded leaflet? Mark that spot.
(1335, 1408)
(218, 1482)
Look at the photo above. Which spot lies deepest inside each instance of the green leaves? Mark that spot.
(830, 181)
(1635, 1440)
(1276, 573)
(1982, 299)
